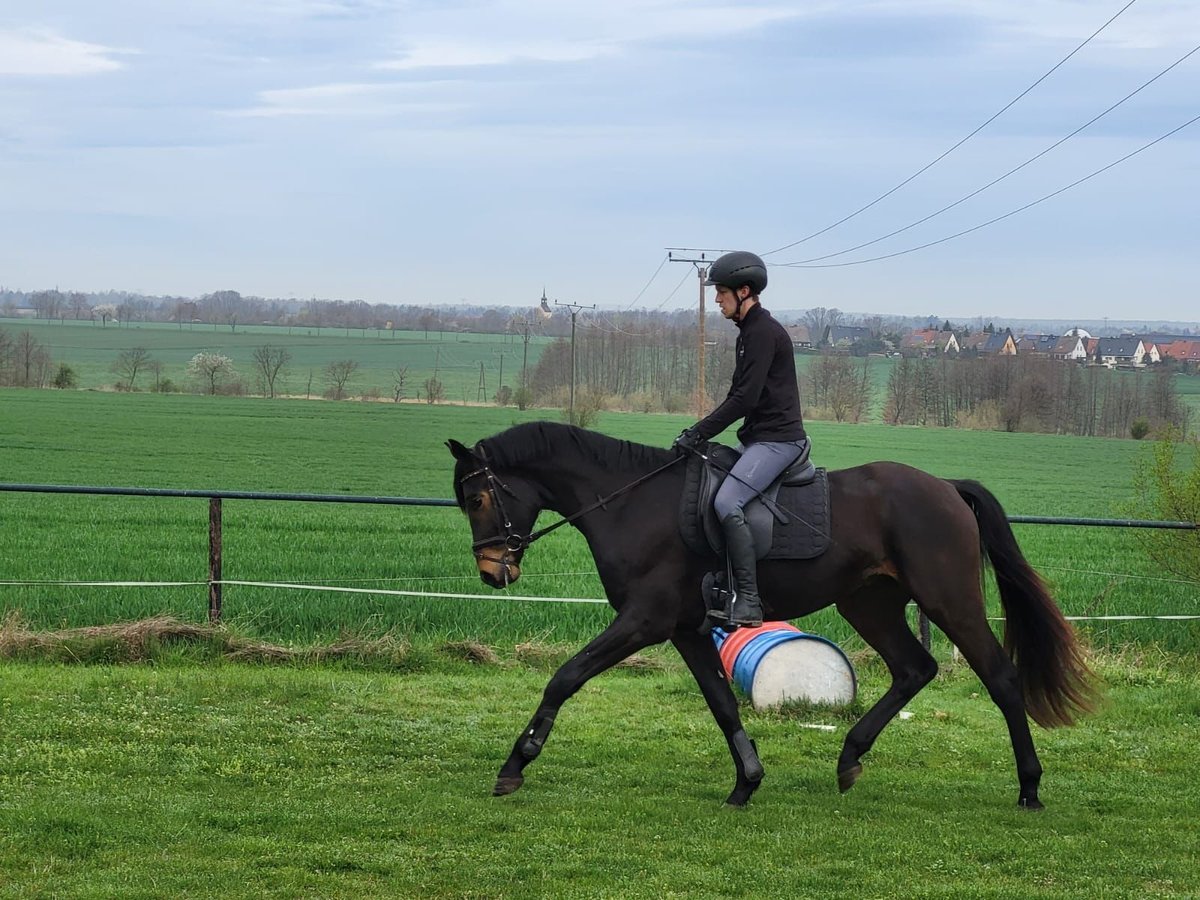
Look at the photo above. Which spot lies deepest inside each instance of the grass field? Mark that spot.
(91, 349)
(193, 776)
(236, 781)
(386, 449)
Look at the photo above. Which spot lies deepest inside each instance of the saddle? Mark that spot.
(797, 527)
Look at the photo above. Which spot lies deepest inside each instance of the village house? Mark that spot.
(929, 342)
(1036, 344)
(1123, 352)
(985, 343)
(1182, 351)
(801, 338)
(845, 336)
(1071, 347)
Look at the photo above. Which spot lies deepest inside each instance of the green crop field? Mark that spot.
(200, 442)
(91, 349)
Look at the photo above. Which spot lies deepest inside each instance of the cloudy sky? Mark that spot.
(435, 151)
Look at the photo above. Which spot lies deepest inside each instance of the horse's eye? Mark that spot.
(476, 502)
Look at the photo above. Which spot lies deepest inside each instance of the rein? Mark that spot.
(512, 540)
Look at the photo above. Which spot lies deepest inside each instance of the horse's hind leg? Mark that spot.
(877, 613)
(966, 625)
(701, 656)
(626, 634)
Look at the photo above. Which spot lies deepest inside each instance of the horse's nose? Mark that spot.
(498, 575)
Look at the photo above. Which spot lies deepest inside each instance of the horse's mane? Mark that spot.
(535, 441)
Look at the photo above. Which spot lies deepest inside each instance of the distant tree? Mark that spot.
(65, 378)
(399, 382)
(504, 395)
(129, 363)
(269, 363)
(31, 361)
(818, 319)
(212, 369)
(337, 374)
(434, 390)
(105, 311)
(1167, 485)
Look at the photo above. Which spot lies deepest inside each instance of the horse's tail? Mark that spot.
(1055, 678)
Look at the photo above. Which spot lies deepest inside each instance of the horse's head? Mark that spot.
(500, 518)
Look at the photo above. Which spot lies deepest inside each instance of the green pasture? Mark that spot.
(199, 442)
(181, 780)
(91, 349)
(195, 776)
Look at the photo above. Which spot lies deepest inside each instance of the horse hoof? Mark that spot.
(742, 793)
(847, 777)
(1033, 804)
(507, 784)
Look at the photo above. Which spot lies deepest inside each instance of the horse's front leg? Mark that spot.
(701, 656)
(626, 635)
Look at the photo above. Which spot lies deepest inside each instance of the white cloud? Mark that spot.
(42, 52)
(344, 99)
(515, 32)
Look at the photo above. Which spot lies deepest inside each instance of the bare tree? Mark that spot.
(337, 373)
(270, 363)
(31, 361)
(399, 381)
(129, 363)
(211, 368)
(818, 319)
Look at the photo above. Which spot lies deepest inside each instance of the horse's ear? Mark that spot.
(460, 451)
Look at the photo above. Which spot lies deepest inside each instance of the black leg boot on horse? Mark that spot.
(746, 607)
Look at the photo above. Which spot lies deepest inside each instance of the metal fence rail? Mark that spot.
(215, 497)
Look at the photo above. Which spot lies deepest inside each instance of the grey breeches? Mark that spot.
(760, 464)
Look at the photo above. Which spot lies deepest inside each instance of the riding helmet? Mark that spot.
(741, 267)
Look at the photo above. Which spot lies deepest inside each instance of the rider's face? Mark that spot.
(727, 300)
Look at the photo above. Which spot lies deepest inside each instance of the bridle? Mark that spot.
(512, 540)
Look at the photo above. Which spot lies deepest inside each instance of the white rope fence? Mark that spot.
(440, 595)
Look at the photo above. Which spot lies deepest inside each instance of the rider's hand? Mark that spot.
(689, 439)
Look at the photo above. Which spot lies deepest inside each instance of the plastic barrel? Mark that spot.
(778, 662)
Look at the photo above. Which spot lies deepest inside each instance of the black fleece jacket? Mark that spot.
(764, 389)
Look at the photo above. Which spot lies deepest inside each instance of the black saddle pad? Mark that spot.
(804, 534)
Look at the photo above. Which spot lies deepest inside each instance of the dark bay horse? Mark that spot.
(897, 533)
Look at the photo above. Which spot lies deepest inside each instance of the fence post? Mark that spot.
(214, 560)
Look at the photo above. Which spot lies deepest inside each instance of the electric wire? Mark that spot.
(1007, 215)
(946, 153)
(1011, 171)
(646, 286)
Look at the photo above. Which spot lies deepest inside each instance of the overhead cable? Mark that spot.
(1007, 215)
(946, 153)
(1011, 171)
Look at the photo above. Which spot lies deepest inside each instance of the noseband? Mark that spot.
(512, 541)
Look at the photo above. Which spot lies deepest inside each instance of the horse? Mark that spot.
(897, 533)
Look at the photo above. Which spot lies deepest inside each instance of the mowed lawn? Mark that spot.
(193, 776)
(241, 781)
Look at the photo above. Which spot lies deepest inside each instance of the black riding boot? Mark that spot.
(739, 545)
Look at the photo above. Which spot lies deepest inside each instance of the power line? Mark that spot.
(1011, 171)
(1007, 215)
(946, 153)
(648, 283)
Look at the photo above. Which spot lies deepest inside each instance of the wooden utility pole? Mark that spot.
(701, 263)
(574, 308)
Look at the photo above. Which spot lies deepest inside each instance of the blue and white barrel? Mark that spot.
(777, 662)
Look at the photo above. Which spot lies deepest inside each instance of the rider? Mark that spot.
(765, 394)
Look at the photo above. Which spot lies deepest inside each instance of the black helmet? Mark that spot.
(741, 267)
